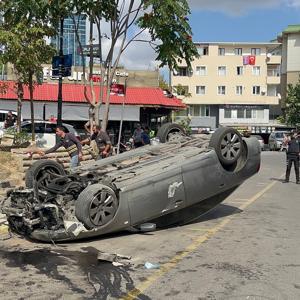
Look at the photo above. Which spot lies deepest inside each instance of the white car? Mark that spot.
(45, 132)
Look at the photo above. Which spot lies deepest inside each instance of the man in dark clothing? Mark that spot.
(102, 140)
(72, 145)
(9, 120)
(292, 156)
(137, 136)
(145, 136)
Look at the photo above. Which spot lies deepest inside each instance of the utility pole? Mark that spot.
(60, 72)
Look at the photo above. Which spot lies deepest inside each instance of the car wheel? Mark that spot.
(43, 171)
(228, 145)
(96, 205)
(169, 131)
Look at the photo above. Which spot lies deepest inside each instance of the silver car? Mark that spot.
(276, 140)
(154, 183)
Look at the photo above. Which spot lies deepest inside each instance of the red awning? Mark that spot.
(142, 96)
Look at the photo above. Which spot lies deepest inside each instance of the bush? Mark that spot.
(19, 137)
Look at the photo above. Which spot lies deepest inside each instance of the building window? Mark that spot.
(182, 71)
(255, 51)
(202, 50)
(256, 90)
(200, 90)
(201, 71)
(221, 90)
(199, 110)
(256, 70)
(248, 113)
(222, 51)
(239, 70)
(227, 113)
(239, 90)
(238, 51)
(222, 71)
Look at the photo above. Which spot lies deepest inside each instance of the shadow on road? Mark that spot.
(71, 267)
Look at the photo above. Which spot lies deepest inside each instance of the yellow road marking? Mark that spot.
(166, 267)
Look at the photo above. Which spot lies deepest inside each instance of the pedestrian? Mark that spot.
(145, 136)
(10, 120)
(52, 119)
(72, 145)
(102, 141)
(137, 136)
(292, 156)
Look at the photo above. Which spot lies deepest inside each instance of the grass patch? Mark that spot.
(11, 168)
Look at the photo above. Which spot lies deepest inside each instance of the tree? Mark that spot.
(292, 110)
(22, 35)
(165, 24)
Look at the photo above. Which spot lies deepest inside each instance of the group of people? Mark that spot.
(99, 137)
(292, 142)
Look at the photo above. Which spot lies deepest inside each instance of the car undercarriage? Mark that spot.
(124, 191)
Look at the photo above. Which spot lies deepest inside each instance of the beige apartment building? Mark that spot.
(231, 84)
(290, 70)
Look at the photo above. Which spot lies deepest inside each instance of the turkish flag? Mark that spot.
(252, 60)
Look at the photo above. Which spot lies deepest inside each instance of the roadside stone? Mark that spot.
(5, 184)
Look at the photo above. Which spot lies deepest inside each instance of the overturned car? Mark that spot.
(153, 183)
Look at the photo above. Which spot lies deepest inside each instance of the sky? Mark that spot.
(227, 20)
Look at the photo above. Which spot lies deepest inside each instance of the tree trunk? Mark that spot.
(31, 106)
(20, 93)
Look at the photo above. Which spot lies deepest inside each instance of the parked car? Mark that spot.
(45, 132)
(154, 183)
(276, 140)
(260, 140)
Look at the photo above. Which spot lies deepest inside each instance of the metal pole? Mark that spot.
(60, 73)
(122, 117)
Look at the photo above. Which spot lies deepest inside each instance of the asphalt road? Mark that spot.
(246, 248)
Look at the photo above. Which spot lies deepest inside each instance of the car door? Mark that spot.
(271, 140)
(39, 128)
(159, 194)
(50, 136)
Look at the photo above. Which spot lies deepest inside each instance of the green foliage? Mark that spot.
(182, 90)
(19, 137)
(292, 111)
(185, 123)
(167, 21)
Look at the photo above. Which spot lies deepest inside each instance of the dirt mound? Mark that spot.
(11, 168)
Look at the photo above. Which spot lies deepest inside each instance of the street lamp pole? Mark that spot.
(60, 73)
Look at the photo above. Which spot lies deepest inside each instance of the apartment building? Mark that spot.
(231, 84)
(290, 39)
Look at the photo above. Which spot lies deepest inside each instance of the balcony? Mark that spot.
(273, 59)
(273, 76)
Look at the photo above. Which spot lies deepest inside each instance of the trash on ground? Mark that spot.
(149, 265)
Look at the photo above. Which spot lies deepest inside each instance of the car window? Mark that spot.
(38, 127)
(279, 135)
(2, 117)
(50, 128)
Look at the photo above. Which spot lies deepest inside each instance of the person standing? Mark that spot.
(72, 145)
(137, 136)
(292, 156)
(9, 120)
(145, 136)
(102, 141)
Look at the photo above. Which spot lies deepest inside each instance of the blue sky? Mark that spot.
(259, 25)
(226, 21)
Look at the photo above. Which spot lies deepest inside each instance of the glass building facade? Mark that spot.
(70, 43)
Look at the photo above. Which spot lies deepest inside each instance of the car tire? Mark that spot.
(166, 131)
(38, 169)
(228, 144)
(96, 206)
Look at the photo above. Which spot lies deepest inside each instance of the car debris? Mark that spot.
(130, 189)
(149, 265)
